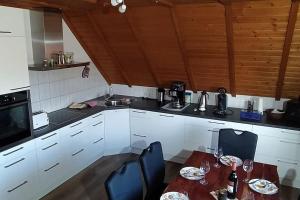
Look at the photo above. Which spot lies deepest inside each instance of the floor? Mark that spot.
(88, 185)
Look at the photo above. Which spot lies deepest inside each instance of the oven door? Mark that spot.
(15, 123)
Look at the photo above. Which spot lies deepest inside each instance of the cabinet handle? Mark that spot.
(288, 142)
(141, 112)
(96, 116)
(46, 170)
(166, 115)
(76, 124)
(292, 163)
(7, 166)
(13, 151)
(6, 32)
(74, 154)
(98, 123)
(212, 131)
(76, 133)
(48, 136)
(98, 141)
(139, 135)
(290, 133)
(211, 122)
(52, 145)
(19, 88)
(11, 190)
(210, 148)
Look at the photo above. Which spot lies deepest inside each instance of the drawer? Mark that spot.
(77, 125)
(79, 159)
(16, 152)
(77, 138)
(140, 141)
(139, 113)
(95, 130)
(289, 149)
(48, 153)
(277, 132)
(205, 122)
(96, 149)
(96, 117)
(47, 139)
(140, 124)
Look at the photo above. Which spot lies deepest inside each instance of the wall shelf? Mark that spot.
(57, 67)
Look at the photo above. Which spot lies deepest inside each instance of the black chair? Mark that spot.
(125, 183)
(153, 167)
(241, 145)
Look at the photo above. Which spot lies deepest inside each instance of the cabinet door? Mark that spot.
(11, 22)
(14, 74)
(117, 131)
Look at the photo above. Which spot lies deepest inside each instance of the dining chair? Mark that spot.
(125, 183)
(241, 144)
(153, 167)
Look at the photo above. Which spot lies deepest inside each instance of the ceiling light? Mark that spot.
(122, 8)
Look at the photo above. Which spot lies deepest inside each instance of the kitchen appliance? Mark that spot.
(161, 95)
(221, 102)
(177, 93)
(15, 118)
(203, 100)
(40, 119)
(292, 113)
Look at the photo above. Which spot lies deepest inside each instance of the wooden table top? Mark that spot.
(218, 178)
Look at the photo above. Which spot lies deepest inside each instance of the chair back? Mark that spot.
(153, 167)
(240, 145)
(125, 183)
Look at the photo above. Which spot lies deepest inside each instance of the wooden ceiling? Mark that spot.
(250, 47)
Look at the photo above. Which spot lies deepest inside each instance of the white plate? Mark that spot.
(263, 186)
(227, 160)
(173, 196)
(191, 173)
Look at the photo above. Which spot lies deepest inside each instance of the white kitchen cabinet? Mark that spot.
(117, 131)
(11, 22)
(14, 74)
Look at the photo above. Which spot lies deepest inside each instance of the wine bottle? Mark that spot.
(232, 183)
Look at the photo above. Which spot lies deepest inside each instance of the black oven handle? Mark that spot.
(12, 105)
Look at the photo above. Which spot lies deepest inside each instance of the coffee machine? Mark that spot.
(177, 93)
(221, 102)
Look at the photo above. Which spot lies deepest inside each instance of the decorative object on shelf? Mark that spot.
(85, 72)
(69, 57)
(122, 8)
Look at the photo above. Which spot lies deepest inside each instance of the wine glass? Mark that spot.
(218, 153)
(248, 167)
(204, 168)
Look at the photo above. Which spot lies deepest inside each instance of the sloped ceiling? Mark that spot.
(249, 47)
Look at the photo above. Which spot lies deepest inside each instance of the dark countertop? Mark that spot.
(152, 105)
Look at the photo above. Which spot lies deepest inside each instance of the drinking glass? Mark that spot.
(248, 167)
(205, 168)
(218, 153)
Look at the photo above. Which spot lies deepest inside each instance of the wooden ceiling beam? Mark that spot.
(97, 27)
(230, 46)
(287, 46)
(142, 49)
(86, 48)
(183, 51)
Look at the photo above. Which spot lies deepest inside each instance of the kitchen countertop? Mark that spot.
(152, 105)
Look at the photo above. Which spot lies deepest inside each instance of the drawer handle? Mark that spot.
(210, 148)
(6, 32)
(141, 112)
(292, 163)
(48, 136)
(139, 135)
(96, 116)
(13, 151)
(166, 115)
(52, 145)
(98, 123)
(25, 182)
(289, 133)
(288, 142)
(46, 170)
(74, 154)
(76, 133)
(211, 122)
(7, 166)
(76, 124)
(19, 88)
(97, 141)
(213, 131)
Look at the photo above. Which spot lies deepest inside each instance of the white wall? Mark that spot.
(53, 90)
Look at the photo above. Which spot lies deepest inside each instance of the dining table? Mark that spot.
(218, 178)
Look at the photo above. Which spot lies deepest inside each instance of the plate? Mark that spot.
(173, 196)
(263, 186)
(191, 173)
(227, 160)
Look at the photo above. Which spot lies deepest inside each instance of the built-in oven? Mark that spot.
(15, 118)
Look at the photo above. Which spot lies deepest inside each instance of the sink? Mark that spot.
(114, 101)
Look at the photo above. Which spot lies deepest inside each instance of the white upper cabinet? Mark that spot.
(11, 22)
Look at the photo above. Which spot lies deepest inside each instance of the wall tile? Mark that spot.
(43, 77)
(33, 77)
(36, 107)
(44, 90)
(35, 94)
